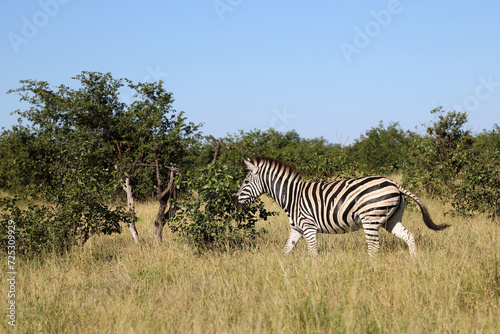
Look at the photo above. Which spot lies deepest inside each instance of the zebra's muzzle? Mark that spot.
(240, 202)
(237, 203)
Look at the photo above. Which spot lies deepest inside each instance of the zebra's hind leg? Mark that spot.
(371, 220)
(395, 227)
(292, 240)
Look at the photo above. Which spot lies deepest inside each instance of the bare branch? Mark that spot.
(158, 176)
(342, 142)
(170, 186)
(217, 144)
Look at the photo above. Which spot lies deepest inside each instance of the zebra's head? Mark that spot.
(252, 185)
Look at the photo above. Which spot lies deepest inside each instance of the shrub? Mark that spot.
(436, 161)
(210, 219)
(382, 150)
(329, 167)
(451, 165)
(44, 228)
(479, 189)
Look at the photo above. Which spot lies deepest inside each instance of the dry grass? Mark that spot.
(110, 286)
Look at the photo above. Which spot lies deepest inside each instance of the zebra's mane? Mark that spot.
(272, 162)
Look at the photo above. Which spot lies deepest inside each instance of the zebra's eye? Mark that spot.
(247, 181)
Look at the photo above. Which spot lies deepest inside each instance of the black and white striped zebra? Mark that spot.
(332, 207)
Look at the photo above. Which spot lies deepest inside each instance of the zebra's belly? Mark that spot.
(336, 224)
(338, 228)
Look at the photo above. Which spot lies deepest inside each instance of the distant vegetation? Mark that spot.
(74, 148)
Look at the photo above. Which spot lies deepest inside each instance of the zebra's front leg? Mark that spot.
(311, 239)
(292, 240)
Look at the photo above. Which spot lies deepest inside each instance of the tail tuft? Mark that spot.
(428, 220)
(425, 214)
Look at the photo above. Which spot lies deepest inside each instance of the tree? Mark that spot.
(449, 127)
(78, 143)
(165, 195)
(437, 160)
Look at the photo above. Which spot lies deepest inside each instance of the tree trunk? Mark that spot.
(163, 196)
(159, 223)
(131, 208)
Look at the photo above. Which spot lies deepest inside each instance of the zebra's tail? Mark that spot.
(425, 214)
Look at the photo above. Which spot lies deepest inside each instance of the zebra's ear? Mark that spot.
(249, 166)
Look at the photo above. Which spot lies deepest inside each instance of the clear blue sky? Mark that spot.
(322, 68)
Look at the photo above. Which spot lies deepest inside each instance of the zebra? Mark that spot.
(331, 207)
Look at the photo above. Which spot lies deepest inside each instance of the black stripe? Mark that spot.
(329, 188)
(378, 199)
(310, 208)
(350, 188)
(335, 203)
(361, 194)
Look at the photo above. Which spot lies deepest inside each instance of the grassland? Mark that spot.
(110, 286)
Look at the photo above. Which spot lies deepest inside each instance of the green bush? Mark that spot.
(47, 229)
(381, 150)
(210, 219)
(331, 167)
(452, 165)
(479, 189)
(436, 161)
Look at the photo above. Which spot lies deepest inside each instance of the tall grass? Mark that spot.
(110, 286)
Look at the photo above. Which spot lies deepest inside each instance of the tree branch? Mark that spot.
(217, 144)
(134, 164)
(173, 170)
(158, 176)
(170, 186)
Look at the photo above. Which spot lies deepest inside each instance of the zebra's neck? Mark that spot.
(282, 189)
